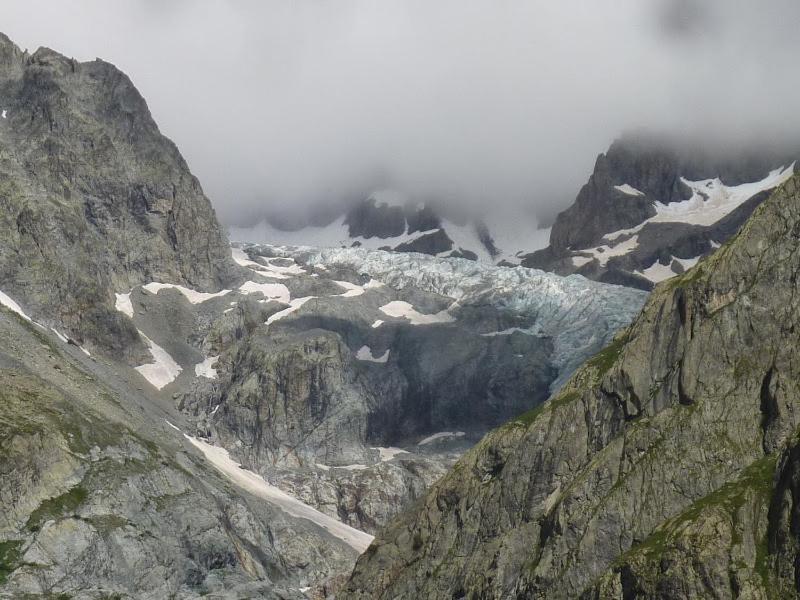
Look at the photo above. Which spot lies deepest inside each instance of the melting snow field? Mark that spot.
(161, 372)
(255, 484)
(401, 309)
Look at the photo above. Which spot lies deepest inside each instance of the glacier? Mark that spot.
(580, 315)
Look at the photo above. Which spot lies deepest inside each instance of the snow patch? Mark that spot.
(377, 323)
(629, 190)
(658, 272)
(579, 261)
(508, 332)
(441, 435)
(255, 484)
(59, 335)
(124, 304)
(354, 290)
(163, 370)
(271, 291)
(604, 253)
(389, 453)
(206, 368)
(192, 296)
(365, 353)
(711, 201)
(401, 309)
(13, 306)
(293, 306)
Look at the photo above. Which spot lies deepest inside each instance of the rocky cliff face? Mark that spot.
(101, 497)
(666, 467)
(94, 199)
(654, 206)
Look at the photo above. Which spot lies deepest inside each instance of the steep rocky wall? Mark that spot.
(699, 393)
(93, 199)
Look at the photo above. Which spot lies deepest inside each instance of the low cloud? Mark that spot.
(290, 104)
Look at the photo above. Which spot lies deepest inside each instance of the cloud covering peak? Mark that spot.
(279, 103)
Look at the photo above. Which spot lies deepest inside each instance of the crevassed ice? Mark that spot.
(580, 315)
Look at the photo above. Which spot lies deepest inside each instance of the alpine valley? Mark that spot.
(392, 400)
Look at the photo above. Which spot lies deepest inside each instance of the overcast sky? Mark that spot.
(291, 102)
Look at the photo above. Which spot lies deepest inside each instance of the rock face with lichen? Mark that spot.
(93, 199)
(667, 467)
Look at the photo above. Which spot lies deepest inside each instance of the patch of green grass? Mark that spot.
(527, 418)
(56, 507)
(9, 558)
(730, 497)
(607, 357)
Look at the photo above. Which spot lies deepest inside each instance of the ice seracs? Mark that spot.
(580, 315)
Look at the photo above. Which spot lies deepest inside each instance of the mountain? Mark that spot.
(93, 197)
(654, 206)
(390, 220)
(332, 367)
(666, 467)
(185, 419)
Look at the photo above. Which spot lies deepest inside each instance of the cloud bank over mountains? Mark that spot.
(278, 104)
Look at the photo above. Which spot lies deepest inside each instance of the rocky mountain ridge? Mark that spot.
(654, 206)
(94, 198)
(665, 468)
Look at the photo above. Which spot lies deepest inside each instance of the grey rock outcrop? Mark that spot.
(95, 200)
(103, 498)
(652, 473)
